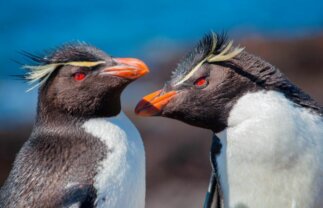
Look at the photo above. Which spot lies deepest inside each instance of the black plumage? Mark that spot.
(199, 52)
(204, 89)
(73, 51)
(57, 164)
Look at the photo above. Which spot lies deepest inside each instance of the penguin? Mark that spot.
(83, 151)
(271, 132)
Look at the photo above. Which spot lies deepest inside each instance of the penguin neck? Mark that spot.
(48, 114)
(52, 109)
(267, 77)
(54, 117)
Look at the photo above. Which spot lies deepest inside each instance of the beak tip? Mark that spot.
(144, 108)
(153, 104)
(137, 111)
(130, 68)
(145, 70)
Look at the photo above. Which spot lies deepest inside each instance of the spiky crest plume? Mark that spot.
(75, 54)
(212, 48)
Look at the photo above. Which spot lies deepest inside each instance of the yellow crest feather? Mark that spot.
(41, 73)
(226, 54)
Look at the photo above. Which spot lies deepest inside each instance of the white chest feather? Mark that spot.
(272, 154)
(120, 181)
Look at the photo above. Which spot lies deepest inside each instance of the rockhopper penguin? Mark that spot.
(271, 131)
(82, 151)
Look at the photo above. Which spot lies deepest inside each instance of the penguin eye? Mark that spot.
(201, 82)
(78, 76)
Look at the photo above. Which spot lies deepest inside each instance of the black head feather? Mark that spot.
(65, 54)
(199, 52)
(77, 51)
(39, 59)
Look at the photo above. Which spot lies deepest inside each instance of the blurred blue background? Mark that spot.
(287, 33)
(143, 29)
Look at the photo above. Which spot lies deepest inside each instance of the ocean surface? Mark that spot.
(133, 28)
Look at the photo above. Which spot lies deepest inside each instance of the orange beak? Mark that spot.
(129, 68)
(153, 104)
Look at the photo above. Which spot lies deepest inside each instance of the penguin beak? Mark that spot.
(154, 103)
(129, 68)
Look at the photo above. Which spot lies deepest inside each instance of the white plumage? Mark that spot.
(120, 181)
(272, 154)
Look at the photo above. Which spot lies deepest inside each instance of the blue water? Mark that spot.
(131, 28)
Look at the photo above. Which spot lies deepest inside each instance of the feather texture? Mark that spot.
(73, 54)
(42, 73)
(212, 48)
(272, 153)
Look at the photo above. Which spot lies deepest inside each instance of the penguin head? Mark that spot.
(202, 89)
(211, 79)
(82, 80)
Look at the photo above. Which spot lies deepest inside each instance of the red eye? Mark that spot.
(78, 76)
(201, 82)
